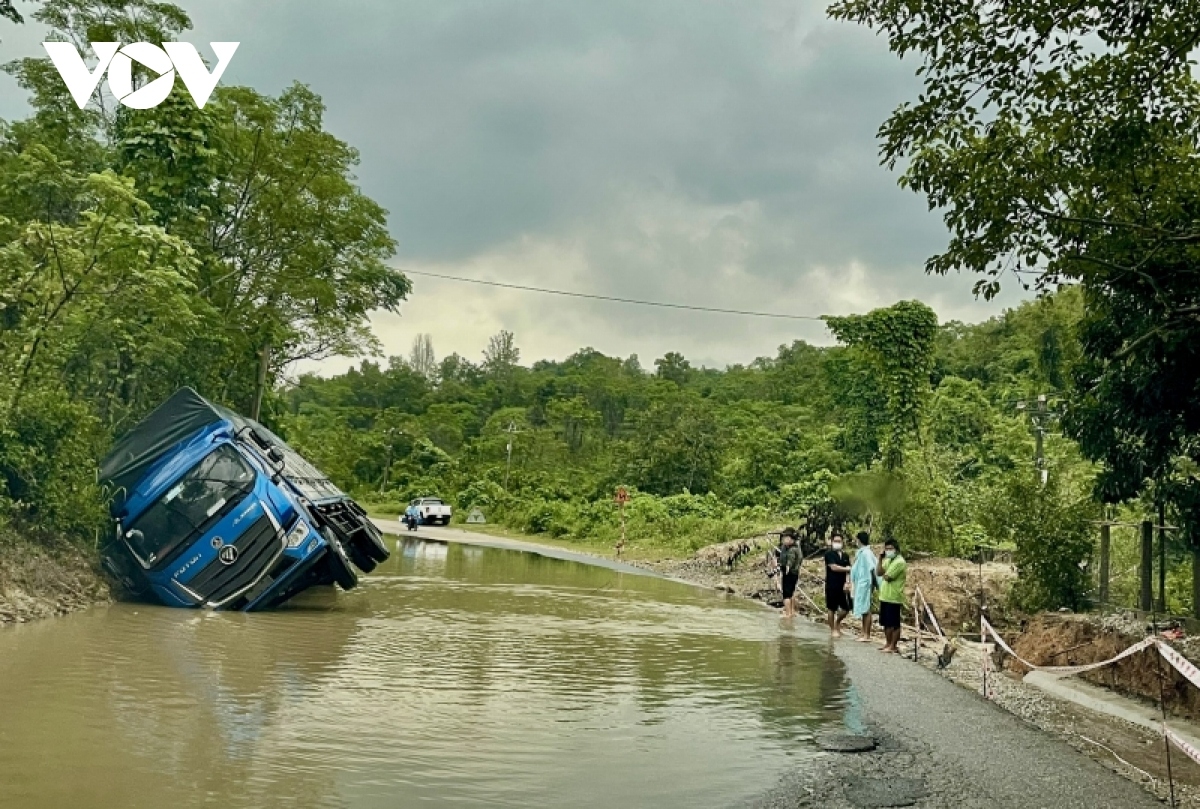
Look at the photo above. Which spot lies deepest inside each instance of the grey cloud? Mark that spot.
(716, 153)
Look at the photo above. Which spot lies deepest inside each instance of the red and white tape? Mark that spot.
(1181, 663)
(1187, 749)
(1140, 646)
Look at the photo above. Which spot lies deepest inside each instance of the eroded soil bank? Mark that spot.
(46, 578)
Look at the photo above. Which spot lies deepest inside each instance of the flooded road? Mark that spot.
(454, 675)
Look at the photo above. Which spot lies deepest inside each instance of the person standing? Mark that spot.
(862, 583)
(893, 572)
(789, 571)
(837, 596)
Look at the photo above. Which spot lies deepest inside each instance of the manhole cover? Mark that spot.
(878, 793)
(845, 743)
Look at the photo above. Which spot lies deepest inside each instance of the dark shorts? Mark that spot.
(889, 615)
(789, 584)
(837, 600)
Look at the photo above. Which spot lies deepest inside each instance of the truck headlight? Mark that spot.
(299, 533)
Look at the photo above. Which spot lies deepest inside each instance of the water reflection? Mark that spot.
(455, 674)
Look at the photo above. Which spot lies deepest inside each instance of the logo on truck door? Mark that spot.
(228, 554)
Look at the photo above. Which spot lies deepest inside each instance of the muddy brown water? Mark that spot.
(454, 676)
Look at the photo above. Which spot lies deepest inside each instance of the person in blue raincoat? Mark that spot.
(862, 583)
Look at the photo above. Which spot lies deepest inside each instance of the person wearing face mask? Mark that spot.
(837, 596)
(892, 572)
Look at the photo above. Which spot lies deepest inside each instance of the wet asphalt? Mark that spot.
(940, 745)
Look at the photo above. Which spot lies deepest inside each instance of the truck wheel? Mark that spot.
(369, 543)
(339, 565)
(355, 553)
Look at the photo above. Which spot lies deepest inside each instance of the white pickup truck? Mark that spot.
(432, 510)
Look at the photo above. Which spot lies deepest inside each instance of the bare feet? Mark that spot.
(863, 640)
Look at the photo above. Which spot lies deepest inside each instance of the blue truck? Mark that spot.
(213, 510)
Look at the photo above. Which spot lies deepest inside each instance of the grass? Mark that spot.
(632, 551)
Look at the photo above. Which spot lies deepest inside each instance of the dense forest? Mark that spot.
(943, 459)
(143, 250)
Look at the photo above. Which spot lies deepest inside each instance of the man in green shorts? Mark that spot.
(892, 572)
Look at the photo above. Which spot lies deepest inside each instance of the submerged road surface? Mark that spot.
(948, 747)
(455, 675)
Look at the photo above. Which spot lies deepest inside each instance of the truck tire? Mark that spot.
(339, 566)
(356, 554)
(369, 542)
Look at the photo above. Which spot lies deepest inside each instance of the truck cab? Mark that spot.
(212, 510)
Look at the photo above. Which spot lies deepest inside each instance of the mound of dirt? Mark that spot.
(952, 587)
(1074, 640)
(44, 579)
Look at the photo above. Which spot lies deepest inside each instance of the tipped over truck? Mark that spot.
(213, 510)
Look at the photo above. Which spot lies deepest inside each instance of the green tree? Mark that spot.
(898, 341)
(673, 367)
(1060, 141)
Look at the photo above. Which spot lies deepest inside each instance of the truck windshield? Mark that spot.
(188, 508)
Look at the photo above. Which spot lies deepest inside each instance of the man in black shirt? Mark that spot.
(789, 569)
(837, 597)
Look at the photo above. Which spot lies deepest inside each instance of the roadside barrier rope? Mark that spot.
(929, 612)
(1181, 663)
(1132, 650)
(1185, 748)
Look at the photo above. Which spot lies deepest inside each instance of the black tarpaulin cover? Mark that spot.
(178, 419)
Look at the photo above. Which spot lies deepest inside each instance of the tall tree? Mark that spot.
(1061, 141)
(421, 357)
(501, 354)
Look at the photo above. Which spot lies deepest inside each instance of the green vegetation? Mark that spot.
(912, 428)
(1059, 139)
(143, 251)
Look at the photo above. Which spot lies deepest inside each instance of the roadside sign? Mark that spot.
(476, 516)
(622, 495)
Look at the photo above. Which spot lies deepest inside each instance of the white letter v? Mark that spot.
(191, 69)
(74, 72)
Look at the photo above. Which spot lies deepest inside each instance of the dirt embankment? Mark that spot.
(44, 579)
(1076, 640)
(951, 586)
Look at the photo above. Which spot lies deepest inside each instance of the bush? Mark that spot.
(1053, 539)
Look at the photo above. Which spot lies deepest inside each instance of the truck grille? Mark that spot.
(257, 548)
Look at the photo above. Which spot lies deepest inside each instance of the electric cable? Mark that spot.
(613, 299)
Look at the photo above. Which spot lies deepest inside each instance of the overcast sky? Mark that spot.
(708, 153)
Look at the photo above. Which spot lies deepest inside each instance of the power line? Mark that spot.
(610, 298)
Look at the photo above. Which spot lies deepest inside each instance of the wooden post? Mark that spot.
(1105, 550)
(1162, 559)
(1146, 570)
(1195, 580)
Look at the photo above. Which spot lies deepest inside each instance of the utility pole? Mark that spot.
(391, 433)
(511, 430)
(1039, 418)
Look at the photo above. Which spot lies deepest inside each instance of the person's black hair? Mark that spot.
(864, 538)
(892, 542)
